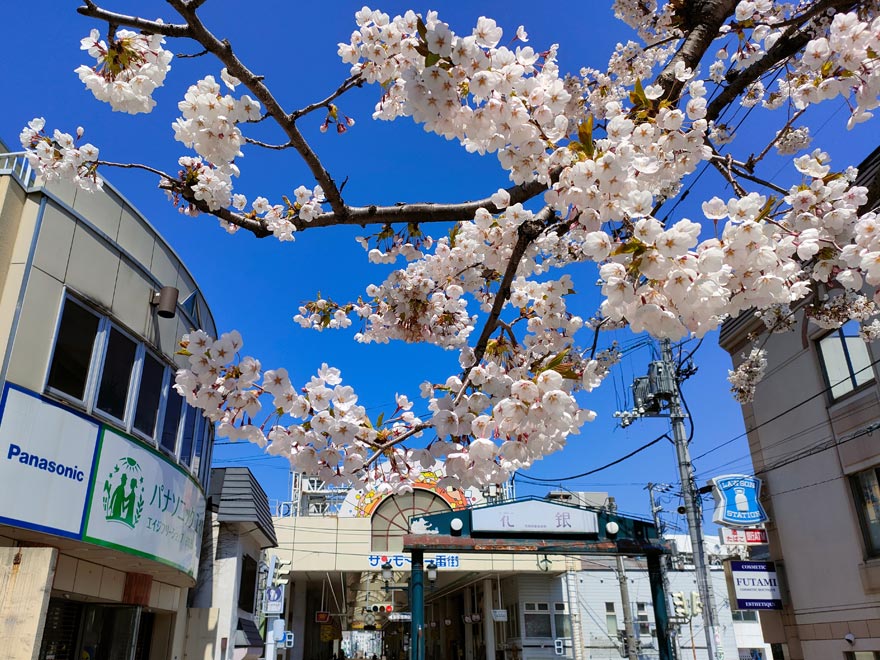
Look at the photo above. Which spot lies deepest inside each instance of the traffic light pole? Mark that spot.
(664, 577)
(693, 510)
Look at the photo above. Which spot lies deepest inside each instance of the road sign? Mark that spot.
(273, 600)
(400, 616)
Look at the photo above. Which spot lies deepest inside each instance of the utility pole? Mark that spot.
(629, 629)
(692, 504)
(655, 514)
(654, 394)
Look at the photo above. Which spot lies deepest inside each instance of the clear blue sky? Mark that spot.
(256, 285)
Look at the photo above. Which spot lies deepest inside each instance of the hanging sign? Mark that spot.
(534, 517)
(743, 536)
(756, 586)
(737, 501)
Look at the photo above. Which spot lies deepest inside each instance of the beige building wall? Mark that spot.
(800, 447)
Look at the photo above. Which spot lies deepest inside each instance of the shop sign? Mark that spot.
(499, 615)
(743, 536)
(534, 517)
(144, 504)
(47, 451)
(756, 586)
(737, 501)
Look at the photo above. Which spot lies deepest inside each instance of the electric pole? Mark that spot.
(629, 643)
(652, 395)
(692, 503)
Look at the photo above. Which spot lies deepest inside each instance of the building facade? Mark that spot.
(811, 439)
(526, 606)
(103, 465)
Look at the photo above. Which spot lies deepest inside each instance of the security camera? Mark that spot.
(850, 638)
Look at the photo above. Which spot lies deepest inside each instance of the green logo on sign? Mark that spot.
(124, 493)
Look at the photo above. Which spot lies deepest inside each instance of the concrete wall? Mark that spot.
(25, 583)
(831, 587)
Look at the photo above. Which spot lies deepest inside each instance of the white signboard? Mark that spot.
(143, 504)
(49, 450)
(400, 616)
(273, 600)
(499, 615)
(743, 536)
(534, 517)
(756, 585)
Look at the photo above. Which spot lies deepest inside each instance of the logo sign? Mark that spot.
(273, 600)
(736, 501)
(755, 585)
(534, 517)
(49, 450)
(143, 504)
(743, 536)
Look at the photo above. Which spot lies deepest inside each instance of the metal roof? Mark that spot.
(237, 497)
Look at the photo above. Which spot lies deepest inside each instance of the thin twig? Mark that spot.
(266, 145)
(354, 81)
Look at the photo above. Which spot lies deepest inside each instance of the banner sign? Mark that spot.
(755, 585)
(49, 450)
(143, 504)
(534, 517)
(737, 501)
(743, 536)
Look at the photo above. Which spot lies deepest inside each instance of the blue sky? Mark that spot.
(256, 286)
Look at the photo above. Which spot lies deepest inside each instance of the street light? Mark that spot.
(431, 570)
(387, 572)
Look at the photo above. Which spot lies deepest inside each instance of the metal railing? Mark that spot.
(16, 165)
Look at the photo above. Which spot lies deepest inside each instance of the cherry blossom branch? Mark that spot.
(527, 232)
(792, 41)
(92, 10)
(403, 437)
(354, 81)
(266, 145)
(136, 166)
(754, 160)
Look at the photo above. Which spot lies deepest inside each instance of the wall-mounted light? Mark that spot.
(431, 569)
(165, 301)
(455, 526)
(387, 572)
(612, 528)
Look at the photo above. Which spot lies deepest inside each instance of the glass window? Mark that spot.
(172, 418)
(744, 615)
(187, 438)
(247, 587)
(116, 374)
(561, 622)
(611, 619)
(149, 396)
(536, 619)
(642, 619)
(73, 350)
(866, 492)
(845, 359)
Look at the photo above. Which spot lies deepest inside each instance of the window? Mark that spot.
(642, 619)
(744, 615)
(513, 620)
(845, 359)
(861, 655)
(149, 397)
(247, 587)
(116, 374)
(73, 350)
(561, 621)
(99, 367)
(866, 493)
(611, 619)
(537, 620)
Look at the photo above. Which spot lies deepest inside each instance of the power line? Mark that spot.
(595, 470)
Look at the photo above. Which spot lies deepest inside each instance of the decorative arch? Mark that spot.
(390, 519)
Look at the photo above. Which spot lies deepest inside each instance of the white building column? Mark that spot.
(488, 621)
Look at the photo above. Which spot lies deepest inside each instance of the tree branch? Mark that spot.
(354, 81)
(154, 27)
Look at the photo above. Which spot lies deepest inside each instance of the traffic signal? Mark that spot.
(282, 571)
(696, 603)
(681, 605)
(382, 608)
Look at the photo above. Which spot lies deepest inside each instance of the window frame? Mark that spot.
(871, 549)
(854, 387)
(203, 432)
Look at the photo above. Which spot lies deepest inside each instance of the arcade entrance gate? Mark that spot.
(533, 526)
